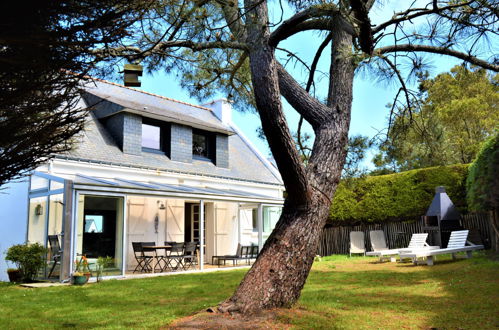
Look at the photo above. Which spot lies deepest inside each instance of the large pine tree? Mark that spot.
(231, 46)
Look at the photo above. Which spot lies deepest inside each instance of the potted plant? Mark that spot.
(28, 258)
(15, 275)
(103, 263)
(82, 273)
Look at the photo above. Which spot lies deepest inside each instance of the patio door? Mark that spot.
(100, 231)
(195, 223)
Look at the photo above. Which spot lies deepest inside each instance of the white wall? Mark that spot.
(142, 212)
(13, 219)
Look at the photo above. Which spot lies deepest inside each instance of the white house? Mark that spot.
(146, 168)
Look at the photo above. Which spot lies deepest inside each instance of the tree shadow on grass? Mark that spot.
(451, 294)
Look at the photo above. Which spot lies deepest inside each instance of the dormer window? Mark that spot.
(151, 137)
(203, 145)
(155, 136)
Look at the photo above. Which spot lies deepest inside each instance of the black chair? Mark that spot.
(159, 258)
(175, 257)
(253, 253)
(55, 251)
(189, 257)
(143, 260)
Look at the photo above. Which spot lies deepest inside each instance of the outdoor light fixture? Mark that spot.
(39, 209)
(161, 205)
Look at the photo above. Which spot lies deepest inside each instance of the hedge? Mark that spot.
(482, 185)
(397, 197)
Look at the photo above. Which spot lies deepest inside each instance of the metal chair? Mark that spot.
(176, 255)
(159, 258)
(189, 256)
(143, 260)
(55, 251)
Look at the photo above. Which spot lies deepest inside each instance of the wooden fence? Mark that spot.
(336, 240)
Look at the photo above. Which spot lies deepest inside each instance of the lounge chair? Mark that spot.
(357, 242)
(418, 241)
(457, 243)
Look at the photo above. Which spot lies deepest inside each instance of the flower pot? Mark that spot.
(79, 279)
(14, 275)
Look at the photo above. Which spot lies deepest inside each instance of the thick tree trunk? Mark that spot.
(282, 267)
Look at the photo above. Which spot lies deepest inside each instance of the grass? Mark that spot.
(341, 293)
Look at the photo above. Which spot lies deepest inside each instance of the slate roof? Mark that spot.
(108, 98)
(96, 145)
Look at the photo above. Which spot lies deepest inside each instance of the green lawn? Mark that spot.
(341, 292)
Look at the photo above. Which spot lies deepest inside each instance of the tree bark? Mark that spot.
(282, 267)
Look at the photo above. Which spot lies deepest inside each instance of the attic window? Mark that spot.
(151, 137)
(203, 145)
(155, 136)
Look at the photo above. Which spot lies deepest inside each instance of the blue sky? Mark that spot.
(369, 112)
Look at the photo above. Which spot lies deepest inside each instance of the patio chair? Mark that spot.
(174, 258)
(357, 242)
(418, 241)
(457, 243)
(159, 257)
(55, 251)
(189, 256)
(253, 252)
(378, 242)
(142, 259)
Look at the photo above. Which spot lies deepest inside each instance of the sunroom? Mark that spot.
(101, 217)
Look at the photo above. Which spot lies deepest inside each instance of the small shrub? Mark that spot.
(28, 258)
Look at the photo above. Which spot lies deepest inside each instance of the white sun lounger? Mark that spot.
(457, 243)
(418, 241)
(357, 242)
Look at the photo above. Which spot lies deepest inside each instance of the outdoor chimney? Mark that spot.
(441, 218)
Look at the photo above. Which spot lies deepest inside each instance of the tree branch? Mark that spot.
(301, 22)
(309, 107)
(437, 50)
(361, 14)
(407, 16)
(233, 19)
(137, 53)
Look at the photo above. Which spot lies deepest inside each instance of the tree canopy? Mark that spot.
(46, 51)
(453, 115)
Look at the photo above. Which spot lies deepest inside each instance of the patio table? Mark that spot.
(155, 249)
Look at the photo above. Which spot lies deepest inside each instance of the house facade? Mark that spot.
(145, 169)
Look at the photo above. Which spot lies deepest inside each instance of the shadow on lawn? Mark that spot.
(451, 294)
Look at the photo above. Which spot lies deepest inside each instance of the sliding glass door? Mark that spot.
(99, 232)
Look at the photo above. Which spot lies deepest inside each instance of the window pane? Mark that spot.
(38, 182)
(254, 215)
(271, 215)
(151, 136)
(93, 223)
(199, 147)
(37, 220)
(54, 185)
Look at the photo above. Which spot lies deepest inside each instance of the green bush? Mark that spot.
(399, 196)
(28, 258)
(482, 184)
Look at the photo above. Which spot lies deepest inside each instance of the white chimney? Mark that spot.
(222, 108)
